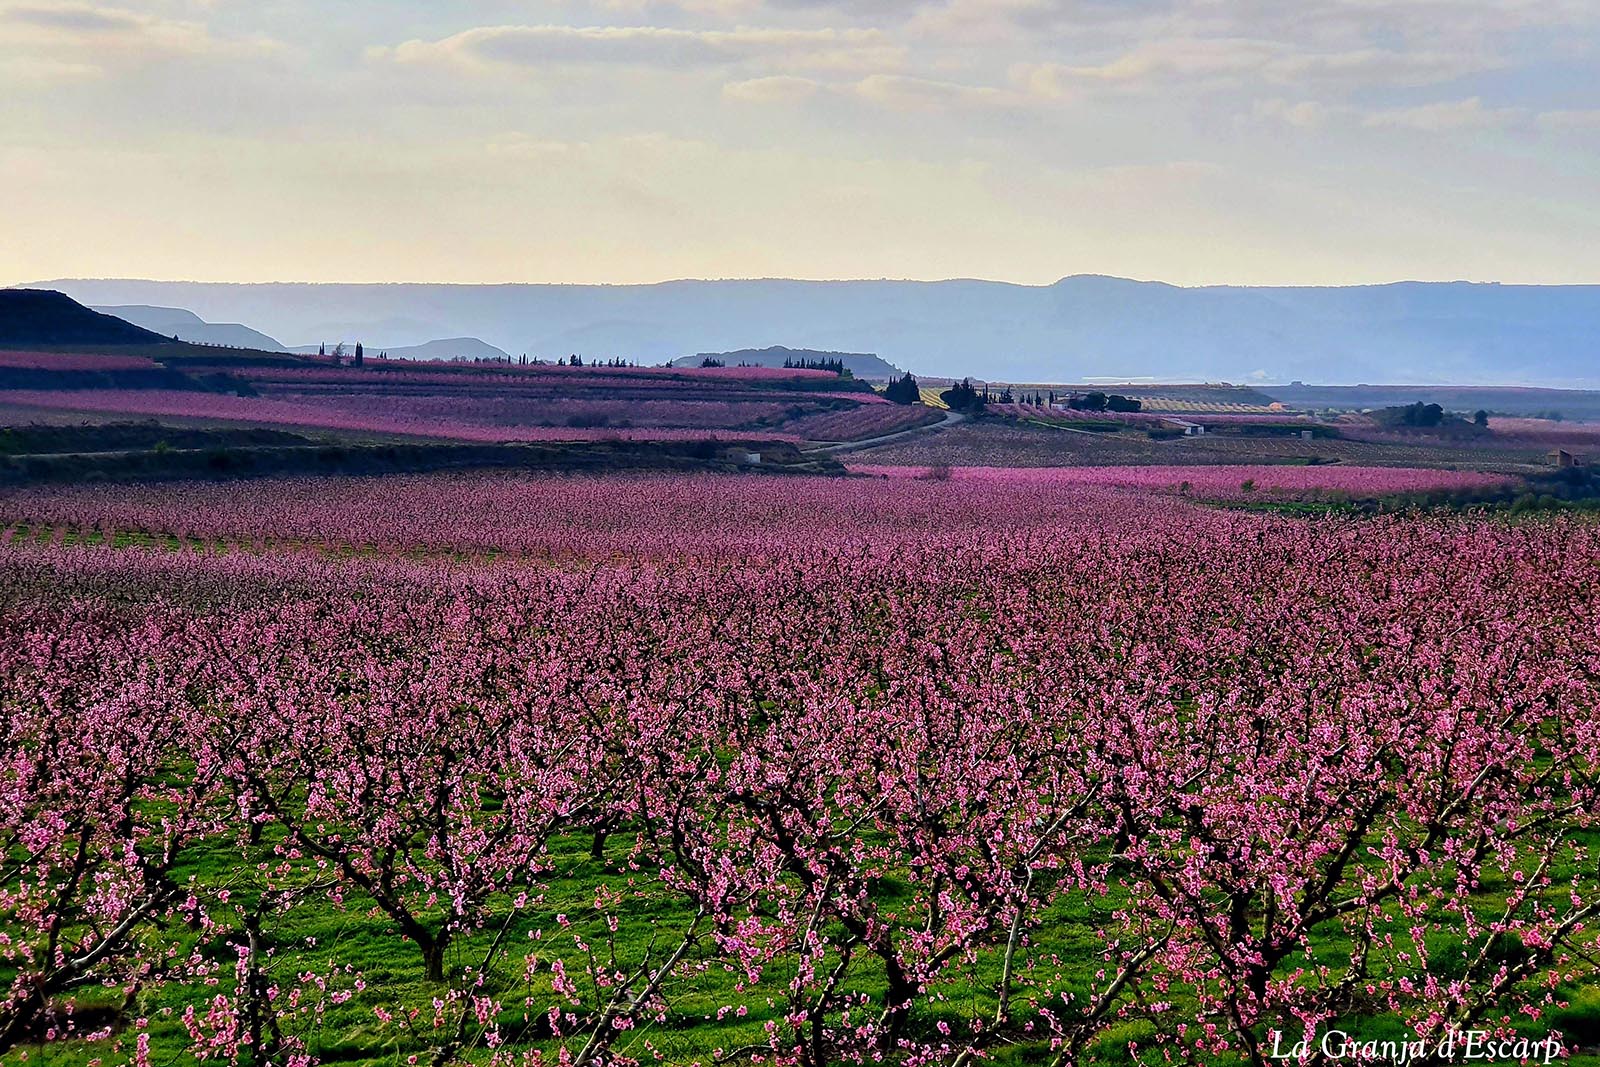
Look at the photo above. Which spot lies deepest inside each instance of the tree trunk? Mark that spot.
(433, 956)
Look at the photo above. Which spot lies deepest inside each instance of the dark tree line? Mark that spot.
(1416, 416)
(963, 397)
(1098, 401)
(904, 390)
(836, 366)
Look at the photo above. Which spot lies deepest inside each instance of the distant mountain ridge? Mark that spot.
(1080, 327)
(48, 317)
(861, 364)
(187, 326)
(444, 348)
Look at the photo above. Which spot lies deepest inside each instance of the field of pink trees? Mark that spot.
(485, 403)
(859, 423)
(1223, 481)
(73, 361)
(442, 418)
(517, 412)
(600, 771)
(510, 403)
(1547, 432)
(407, 372)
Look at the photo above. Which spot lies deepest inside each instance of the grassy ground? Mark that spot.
(366, 945)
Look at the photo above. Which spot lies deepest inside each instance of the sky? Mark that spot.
(1191, 141)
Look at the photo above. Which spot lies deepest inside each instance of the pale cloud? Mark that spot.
(1180, 60)
(1449, 115)
(654, 46)
(1588, 119)
(880, 11)
(1305, 114)
(28, 71)
(776, 89)
(75, 18)
(987, 21)
(901, 93)
(1050, 81)
(1417, 20)
(890, 92)
(1380, 67)
(93, 36)
(1324, 21)
(1445, 116)
(521, 148)
(718, 9)
(1238, 61)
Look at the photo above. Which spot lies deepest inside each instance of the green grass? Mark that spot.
(1085, 426)
(366, 944)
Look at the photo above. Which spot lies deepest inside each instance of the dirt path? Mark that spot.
(951, 418)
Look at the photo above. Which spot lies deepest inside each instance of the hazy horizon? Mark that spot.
(931, 279)
(1088, 325)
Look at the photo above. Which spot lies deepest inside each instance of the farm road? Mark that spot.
(951, 418)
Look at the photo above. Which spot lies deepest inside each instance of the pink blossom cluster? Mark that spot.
(456, 371)
(857, 398)
(748, 374)
(1546, 432)
(377, 374)
(511, 412)
(1148, 418)
(1224, 482)
(78, 361)
(868, 420)
(372, 416)
(663, 516)
(855, 771)
(1234, 417)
